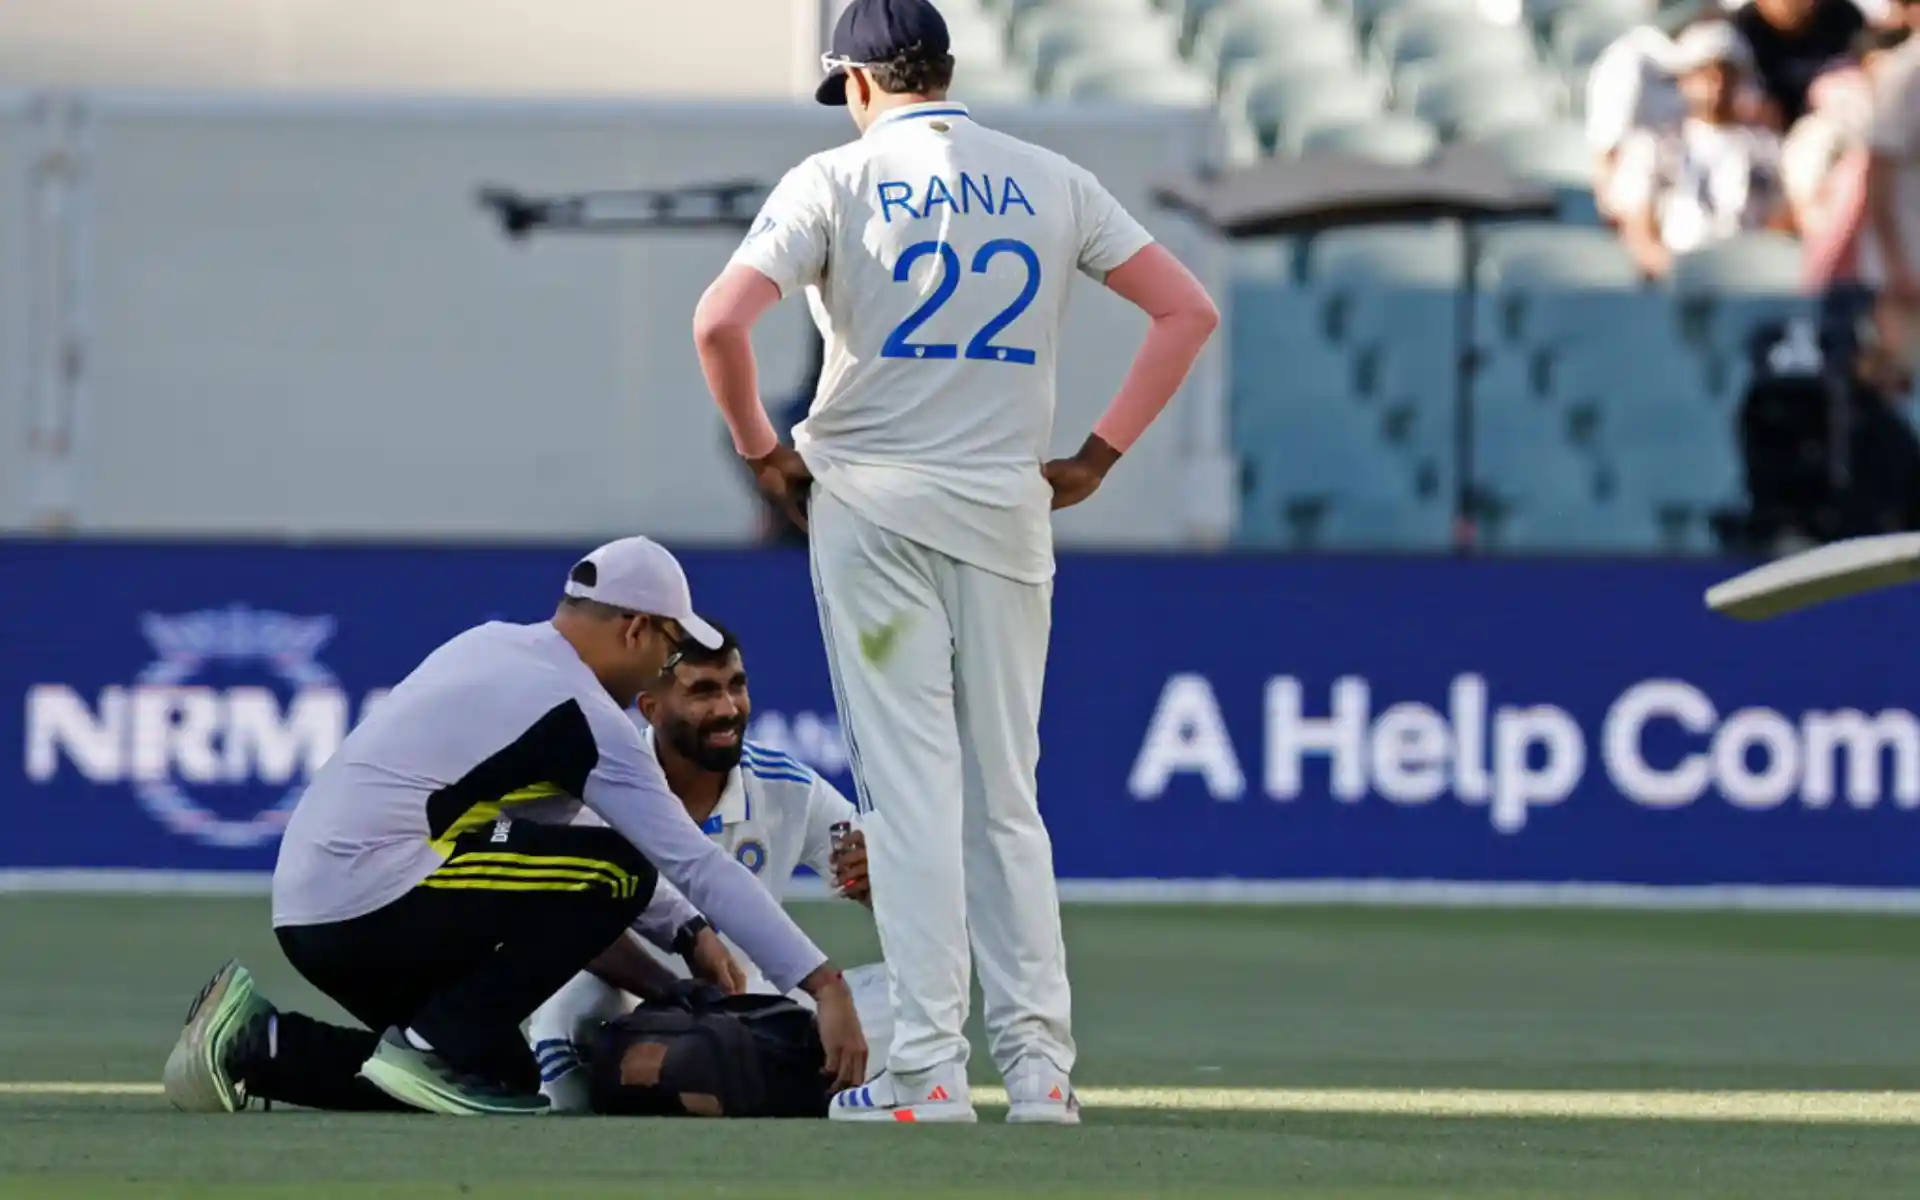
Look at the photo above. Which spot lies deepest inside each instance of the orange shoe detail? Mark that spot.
(903, 1114)
(938, 1093)
(1056, 1094)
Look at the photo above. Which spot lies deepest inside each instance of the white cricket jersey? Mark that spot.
(775, 815)
(938, 256)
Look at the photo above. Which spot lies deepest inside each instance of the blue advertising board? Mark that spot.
(1207, 717)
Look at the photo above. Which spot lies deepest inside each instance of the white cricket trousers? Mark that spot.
(937, 670)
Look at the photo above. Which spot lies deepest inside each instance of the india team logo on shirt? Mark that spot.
(752, 854)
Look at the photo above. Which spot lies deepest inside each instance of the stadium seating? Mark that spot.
(1386, 138)
(1600, 404)
(1283, 109)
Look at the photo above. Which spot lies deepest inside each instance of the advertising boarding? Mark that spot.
(1208, 718)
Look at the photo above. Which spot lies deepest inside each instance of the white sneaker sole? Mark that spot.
(1046, 1112)
(910, 1114)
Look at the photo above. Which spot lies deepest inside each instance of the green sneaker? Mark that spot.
(426, 1081)
(206, 1071)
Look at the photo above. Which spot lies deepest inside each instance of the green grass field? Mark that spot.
(1225, 1052)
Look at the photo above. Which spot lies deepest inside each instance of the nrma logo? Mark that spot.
(217, 736)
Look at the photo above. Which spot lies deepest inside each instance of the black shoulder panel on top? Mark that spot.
(558, 749)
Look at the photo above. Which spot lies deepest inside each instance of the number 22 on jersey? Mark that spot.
(900, 343)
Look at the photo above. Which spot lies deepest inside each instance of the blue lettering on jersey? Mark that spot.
(712, 825)
(897, 193)
(894, 193)
(937, 193)
(1012, 196)
(969, 190)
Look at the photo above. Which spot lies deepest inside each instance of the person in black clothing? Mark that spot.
(1792, 42)
(1828, 454)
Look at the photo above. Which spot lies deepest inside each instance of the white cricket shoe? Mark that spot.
(924, 1097)
(1039, 1093)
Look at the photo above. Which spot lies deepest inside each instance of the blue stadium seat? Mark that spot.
(1549, 16)
(1365, 13)
(1421, 255)
(1195, 13)
(1387, 523)
(1504, 381)
(1482, 102)
(1579, 36)
(1540, 255)
(1318, 475)
(1097, 9)
(1232, 42)
(1680, 480)
(1728, 321)
(1404, 38)
(1286, 107)
(1555, 155)
(1280, 353)
(1412, 358)
(1094, 79)
(1553, 319)
(1539, 494)
(1764, 263)
(1046, 37)
(1597, 526)
(1389, 138)
(1691, 463)
(1656, 367)
(1529, 266)
(1266, 260)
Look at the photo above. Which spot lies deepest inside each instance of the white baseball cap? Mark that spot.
(639, 575)
(1708, 42)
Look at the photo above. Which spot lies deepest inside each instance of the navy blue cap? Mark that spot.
(872, 31)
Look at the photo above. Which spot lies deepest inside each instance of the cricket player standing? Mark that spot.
(937, 256)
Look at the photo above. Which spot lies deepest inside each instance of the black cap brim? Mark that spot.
(833, 89)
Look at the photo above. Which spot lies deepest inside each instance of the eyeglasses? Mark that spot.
(829, 63)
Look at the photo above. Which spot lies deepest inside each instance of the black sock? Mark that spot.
(315, 1065)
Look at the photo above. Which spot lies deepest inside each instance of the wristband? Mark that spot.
(688, 934)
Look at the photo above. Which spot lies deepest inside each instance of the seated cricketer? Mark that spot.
(769, 812)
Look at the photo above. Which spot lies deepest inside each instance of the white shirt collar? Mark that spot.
(918, 112)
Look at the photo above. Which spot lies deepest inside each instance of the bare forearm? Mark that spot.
(627, 966)
(723, 338)
(1168, 353)
(726, 359)
(664, 915)
(823, 979)
(1183, 317)
(1643, 243)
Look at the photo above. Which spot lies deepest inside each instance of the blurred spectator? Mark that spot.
(1893, 197)
(1711, 178)
(1631, 86)
(1628, 88)
(1823, 166)
(1793, 41)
